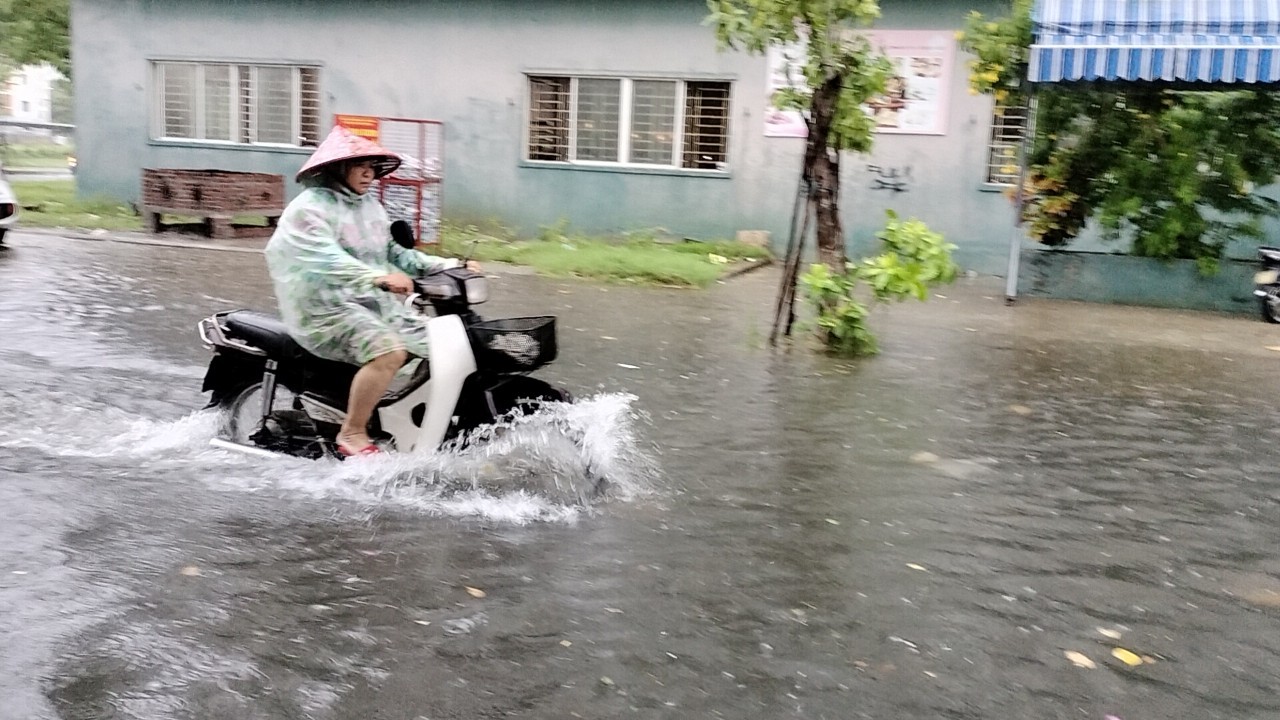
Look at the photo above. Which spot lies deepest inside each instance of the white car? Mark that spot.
(8, 207)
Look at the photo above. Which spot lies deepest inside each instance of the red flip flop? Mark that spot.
(369, 449)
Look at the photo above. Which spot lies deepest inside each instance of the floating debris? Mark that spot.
(1079, 659)
(1127, 657)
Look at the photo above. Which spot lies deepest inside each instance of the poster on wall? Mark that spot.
(786, 70)
(916, 93)
(915, 97)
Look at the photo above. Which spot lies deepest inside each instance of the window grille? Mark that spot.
(1008, 127)
(625, 121)
(219, 98)
(309, 106)
(270, 104)
(179, 83)
(599, 103)
(653, 121)
(706, 125)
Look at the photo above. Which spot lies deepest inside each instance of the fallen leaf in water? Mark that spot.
(1020, 409)
(1126, 657)
(924, 456)
(1080, 659)
(565, 643)
(475, 592)
(914, 566)
(190, 571)
(1106, 632)
(1265, 597)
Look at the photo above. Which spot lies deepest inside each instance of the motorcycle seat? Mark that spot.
(265, 333)
(329, 379)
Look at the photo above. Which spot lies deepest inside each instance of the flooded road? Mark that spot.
(927, 534)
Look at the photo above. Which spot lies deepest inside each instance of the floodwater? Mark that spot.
(1047, 511)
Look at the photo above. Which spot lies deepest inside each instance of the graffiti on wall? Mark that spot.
(892, 178)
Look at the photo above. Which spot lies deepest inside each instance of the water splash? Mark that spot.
(549, 465)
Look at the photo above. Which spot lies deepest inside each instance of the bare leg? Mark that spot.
(367, 388)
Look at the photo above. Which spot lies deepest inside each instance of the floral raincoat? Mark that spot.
(330, 246)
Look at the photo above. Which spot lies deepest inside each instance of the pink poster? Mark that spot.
(916, 94)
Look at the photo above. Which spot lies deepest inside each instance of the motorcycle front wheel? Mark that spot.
(1269, 305)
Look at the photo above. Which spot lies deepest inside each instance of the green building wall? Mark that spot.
(464, 63)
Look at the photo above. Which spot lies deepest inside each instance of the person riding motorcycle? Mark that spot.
(335, 270)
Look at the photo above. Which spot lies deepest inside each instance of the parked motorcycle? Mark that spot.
(279, 398)
(1267, 284)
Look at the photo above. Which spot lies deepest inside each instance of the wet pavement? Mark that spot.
(926, 534)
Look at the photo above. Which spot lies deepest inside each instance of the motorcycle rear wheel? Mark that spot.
(242, 414)
(1269, 305)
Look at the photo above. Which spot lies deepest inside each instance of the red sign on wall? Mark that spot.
(365, 126)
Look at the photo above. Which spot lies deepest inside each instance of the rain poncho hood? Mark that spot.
(341, 145)
(329, 248)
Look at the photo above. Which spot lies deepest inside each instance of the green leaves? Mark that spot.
(1000, 48)
(835, 50)
(36, 31)
(1171, 171)
(914, 258)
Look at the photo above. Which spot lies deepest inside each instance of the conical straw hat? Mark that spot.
(342, 144)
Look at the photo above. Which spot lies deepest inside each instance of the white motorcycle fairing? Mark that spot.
(419, 416)
(452, 362)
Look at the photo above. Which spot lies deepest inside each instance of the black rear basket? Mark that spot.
(514, 344)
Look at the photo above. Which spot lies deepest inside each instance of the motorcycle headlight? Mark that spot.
(477, 290)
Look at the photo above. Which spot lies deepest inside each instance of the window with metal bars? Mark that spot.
(235, 103)
(629, 122)
(1008, 128)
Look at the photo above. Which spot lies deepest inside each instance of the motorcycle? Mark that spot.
(277, 398)
(1267, 284)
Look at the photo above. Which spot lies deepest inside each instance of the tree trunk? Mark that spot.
(822, 168)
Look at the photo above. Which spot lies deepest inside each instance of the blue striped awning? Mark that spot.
(1214, 41)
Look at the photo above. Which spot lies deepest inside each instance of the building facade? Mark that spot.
(28, 94)
(611, 116)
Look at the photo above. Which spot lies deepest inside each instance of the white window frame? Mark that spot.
(625, 106)
(237, 107)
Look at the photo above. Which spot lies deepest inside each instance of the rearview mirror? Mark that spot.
(402, 235)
